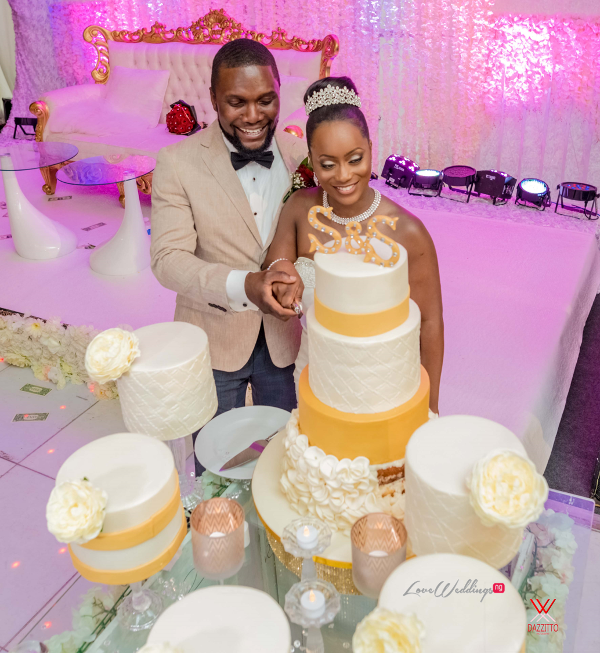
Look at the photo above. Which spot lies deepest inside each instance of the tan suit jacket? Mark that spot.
(202, 228)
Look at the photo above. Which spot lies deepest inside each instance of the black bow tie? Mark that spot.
(239, 160)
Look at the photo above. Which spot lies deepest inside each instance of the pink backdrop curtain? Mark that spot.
(442, 81)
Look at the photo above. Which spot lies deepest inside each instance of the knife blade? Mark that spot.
(250, 453)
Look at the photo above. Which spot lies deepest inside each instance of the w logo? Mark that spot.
(542, 611)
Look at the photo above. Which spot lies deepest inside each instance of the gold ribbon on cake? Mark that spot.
(362, 325)
(126, 576)
(137, 534)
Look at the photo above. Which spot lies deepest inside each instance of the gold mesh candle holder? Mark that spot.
(378, 547)
(217, 527)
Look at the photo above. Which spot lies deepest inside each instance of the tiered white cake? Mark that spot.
(144, 522)
(456, 614)
(362, 395)
(440, 517)
(169, 391)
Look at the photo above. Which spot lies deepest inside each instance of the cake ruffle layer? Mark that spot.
(380, 437)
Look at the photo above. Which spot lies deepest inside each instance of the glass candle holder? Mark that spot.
(304, 538)
(217, 527)
(378, 547)
(191, 492)
(312, 603)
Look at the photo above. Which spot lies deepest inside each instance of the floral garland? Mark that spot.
(54, 351)
(304, 177)
(550, 576)
(98, 604)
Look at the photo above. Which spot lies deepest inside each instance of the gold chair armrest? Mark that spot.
(294, 130)
(41, 111)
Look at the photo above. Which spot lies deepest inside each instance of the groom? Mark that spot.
(216, 199)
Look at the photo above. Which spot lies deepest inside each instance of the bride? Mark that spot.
(340, 154)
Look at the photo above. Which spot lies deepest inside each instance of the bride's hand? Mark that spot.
(288, 293)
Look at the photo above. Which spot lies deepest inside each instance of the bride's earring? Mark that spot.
(315, 179)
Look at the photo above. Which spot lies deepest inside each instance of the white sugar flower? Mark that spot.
(388, 632)
(75, 511)
(505, 489)
(110, 355)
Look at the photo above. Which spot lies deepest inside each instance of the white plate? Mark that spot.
(224, 619)
(230, 433)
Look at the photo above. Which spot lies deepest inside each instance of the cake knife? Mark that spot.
(251, 453)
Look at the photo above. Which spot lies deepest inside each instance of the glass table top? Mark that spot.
(109, 169)
(31, 155)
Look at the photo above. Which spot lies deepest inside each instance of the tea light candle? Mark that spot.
(217, 534)
(378, 554)
(307, 536)
(313, 602)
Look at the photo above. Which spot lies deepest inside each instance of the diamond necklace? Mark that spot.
(359, 218)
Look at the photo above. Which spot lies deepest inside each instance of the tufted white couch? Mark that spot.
(299, 62)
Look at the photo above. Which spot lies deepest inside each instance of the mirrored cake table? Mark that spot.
(128, 251)
(34, 235)
(565, 523)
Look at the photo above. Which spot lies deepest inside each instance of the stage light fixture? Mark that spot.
(578, 192)
(533, 191)
(498, 185)
(399, 172)
(456, 177)
(428, 181)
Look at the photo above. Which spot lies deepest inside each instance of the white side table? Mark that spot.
(128, 251)
(34, 235)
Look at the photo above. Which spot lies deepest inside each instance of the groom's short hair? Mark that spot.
(240, 53)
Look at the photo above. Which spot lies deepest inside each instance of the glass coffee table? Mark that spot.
(35, 236)
(128, 251)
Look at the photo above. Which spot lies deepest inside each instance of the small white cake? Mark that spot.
(464, 619)
(439, 516)
(169, 390)
(224, 619)
(138, 475)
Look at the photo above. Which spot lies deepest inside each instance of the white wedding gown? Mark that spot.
(306, 269)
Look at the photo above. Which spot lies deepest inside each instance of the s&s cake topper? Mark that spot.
(355, 242)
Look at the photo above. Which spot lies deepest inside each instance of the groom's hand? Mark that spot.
(259, 290)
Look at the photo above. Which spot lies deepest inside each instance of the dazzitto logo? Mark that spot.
(441, 591)
(543, 623)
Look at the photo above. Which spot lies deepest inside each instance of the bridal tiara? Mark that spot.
(331, 95)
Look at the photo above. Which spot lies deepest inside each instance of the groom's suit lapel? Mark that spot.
(218, 162)
(291, 161)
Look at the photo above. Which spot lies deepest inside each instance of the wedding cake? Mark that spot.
(223, 619)
(444, 603)
(363, 393)
(163, 374)
(116, 503)
(470, 489)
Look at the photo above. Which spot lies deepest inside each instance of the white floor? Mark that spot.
(38, 586)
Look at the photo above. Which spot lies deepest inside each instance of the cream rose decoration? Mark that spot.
(506, 490)
(110, 355)
(384, 631)
(75, 511)
(160, 648)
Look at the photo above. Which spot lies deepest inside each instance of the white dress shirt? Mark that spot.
(264, 188)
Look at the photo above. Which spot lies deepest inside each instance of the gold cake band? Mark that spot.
(140, 533)
(125, 576)
(362, 325)
(381, 437)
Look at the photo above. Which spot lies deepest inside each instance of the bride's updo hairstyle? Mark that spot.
(334, 112)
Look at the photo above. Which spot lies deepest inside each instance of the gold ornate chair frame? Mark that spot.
(215, 28)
